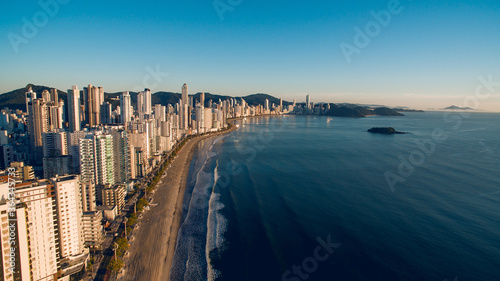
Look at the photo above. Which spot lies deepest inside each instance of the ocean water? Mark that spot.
(319, 198)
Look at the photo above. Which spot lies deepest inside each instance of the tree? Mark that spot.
(89, 266)
(122, 246)
(132, 219)
(115, 265)
(141, 203)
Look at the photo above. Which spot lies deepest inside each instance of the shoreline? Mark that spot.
(155, 243)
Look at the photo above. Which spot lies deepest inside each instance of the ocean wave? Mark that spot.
(203, 227)
(216, 228)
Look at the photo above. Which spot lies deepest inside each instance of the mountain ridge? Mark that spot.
(16, 100)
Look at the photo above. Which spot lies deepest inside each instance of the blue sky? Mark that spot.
(429, 55)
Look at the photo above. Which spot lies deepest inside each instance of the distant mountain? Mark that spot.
(360, 111)
(257, 99)
(407, 110)
(384, 111)
(454, 107)
(17, 100)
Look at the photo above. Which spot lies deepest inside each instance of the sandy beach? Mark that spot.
(152, 249)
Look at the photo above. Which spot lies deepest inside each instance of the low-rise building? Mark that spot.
(93, 230)
(114, 195)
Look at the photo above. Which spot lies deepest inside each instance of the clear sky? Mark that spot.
(429, 55)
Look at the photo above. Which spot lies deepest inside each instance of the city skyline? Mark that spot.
(419, 57)
(249, 140)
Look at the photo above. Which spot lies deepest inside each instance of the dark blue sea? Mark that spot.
(318, 198)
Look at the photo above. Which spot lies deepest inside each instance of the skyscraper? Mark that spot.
(121, 155)
(185, 99)
(54, 144)
(98, 100)
(308, 104)
(96, 158)
(46, 96)
(160, 113)
(202, 99)
(54, 96)
(30, 96)
(92, 101)
(184, 108)
(55, 116)
(125, 104)
(147, 101)
(56, 160)
(73, 140)
(69, 213)
(16, 236)
(106, 113)
(140, 106)
(38, 123)
(74, 109)
(42, 217)
(88, 196)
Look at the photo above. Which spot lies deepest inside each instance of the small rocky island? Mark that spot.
(385, 131)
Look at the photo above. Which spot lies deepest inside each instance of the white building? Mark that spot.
(147, 101)
(42, 219)
(69, 213)
(16, 267)
(126, 108)
(208, 119)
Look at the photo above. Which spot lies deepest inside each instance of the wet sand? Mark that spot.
(152, 250)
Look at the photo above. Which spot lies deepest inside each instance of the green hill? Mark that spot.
(17, 100)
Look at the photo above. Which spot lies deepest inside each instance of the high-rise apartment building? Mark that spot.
(54, 97)
(14, 253)
(38, 123)
(147, 101)
(30, 97)
(71, 250)
(106, 113)
(202, 99)
(41, 215)
(74, 109)
(92, 104)
(122, 155)
(56, 166)
(184, 95)
(96, 158)
(125, 106)
(74, 149)
(69, 214)
(54, 143)
(56, 160)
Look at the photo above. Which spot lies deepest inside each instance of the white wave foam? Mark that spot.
(216, 228)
